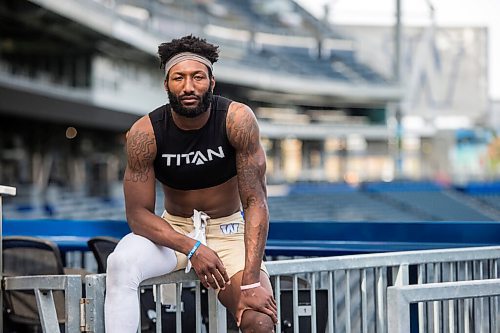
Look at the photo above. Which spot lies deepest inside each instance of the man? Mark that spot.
(206, 152)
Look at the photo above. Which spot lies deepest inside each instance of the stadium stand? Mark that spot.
(347, 206)
(396, 201)
(431, 201)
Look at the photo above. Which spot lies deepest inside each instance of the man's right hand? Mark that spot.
(209, 268)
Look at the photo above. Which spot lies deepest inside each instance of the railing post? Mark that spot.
(216, 313)
(400, 278)
(95, 284)
(47, 310)
(402, 275)
(4, 191)
(398, 311)
(72, 296)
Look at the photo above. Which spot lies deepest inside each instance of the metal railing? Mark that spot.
(458, 313)
(4, 191)
(357, 285)
(356, 288)
(43, 287)
(94, 301)
(353, 287)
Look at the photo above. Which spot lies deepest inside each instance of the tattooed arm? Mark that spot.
(139, 189)
(243, 133)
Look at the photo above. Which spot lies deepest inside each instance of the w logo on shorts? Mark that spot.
(230, 228)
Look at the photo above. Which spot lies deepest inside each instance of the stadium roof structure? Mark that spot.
(255, 72)
(291, 63)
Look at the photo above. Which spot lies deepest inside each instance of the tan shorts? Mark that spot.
(224, 236)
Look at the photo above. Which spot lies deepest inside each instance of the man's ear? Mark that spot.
(212, 83)
(165, 83)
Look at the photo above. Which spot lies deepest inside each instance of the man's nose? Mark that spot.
(188, 86)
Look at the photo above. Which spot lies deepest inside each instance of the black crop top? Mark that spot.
(193, 159)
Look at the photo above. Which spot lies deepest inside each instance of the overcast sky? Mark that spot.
(416, 12)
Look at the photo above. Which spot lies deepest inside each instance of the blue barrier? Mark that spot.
(337, 238)
(294, 238)
(475, 188)
(69, 235)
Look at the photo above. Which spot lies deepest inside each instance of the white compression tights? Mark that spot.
(135, 259)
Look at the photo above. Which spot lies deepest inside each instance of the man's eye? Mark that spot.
(177, 78)
(198, 77)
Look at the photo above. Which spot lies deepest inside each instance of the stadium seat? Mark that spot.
(102, 247)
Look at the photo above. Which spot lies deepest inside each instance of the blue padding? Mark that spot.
(293, 238)
(474, 188)
(401, 186)
(68, 234)
(336, 238)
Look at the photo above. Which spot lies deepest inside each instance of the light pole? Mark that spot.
(398, 167)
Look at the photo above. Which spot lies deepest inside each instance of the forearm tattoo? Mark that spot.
(140, 151)
(243, 132)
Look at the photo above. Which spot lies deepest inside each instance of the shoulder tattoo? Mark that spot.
(140, 151)
(243, 131)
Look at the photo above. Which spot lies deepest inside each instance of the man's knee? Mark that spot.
(117, 261)
(122, 268)
(256, 322)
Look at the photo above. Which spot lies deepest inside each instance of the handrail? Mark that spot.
(360, 261)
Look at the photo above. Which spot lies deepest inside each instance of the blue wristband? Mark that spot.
(193, 250)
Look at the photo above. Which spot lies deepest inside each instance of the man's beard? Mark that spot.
(190, 112)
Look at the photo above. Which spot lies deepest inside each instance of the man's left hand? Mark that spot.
(258, 299)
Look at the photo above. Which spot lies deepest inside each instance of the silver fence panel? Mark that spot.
(95, 290)
(43, 285)
(444, 316)
(400, 298)
(357, 285)
(217, 313)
